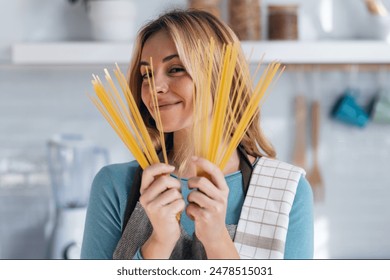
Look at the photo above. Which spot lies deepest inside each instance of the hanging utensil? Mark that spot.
(379, 107)
(376, 7)
(299, 154)
(300, 112)
(314, 176)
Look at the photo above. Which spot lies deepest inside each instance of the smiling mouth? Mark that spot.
(167, 106)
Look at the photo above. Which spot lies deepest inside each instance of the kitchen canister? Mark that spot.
(112, 20)
(245, 19)
(282, 22)
(211, 6)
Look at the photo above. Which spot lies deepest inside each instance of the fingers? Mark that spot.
(160, 185)
(176, 207)
(212, 212)
(216, 175)
(162, 200)
(152, 172)
(200, 199)
(168, 203)
(194, 212)
(210, 196)
(201, 204)
(205, 186)
(167, 197)
(158, 189)
(214, 186)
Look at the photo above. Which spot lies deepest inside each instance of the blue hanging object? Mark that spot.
(348, 111)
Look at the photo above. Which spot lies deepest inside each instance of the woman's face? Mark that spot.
(174, 85)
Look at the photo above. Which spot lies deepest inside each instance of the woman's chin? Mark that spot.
(168, 128)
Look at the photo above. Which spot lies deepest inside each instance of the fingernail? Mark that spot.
(194, 158)
(171, 167)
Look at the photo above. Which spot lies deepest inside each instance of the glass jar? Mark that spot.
(283, 22)
(211, 6)
(245, 19)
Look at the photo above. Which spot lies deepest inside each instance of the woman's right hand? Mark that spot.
(162, 200)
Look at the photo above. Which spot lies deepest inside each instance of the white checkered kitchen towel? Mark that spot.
(262, 227)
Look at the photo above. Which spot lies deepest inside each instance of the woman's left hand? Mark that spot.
(208, 202)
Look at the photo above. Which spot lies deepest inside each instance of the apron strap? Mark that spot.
(133, 198)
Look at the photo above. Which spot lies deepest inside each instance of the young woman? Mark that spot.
(257, 207)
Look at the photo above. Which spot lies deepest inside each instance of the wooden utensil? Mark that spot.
(314, 176)
(299, 154)
(376, 7)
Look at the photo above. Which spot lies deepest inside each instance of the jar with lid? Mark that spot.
(283, 22)
(245, 18)
(211, 6)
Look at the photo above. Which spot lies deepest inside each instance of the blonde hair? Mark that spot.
(187, 28)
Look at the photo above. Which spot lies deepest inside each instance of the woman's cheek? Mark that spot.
(144, 98)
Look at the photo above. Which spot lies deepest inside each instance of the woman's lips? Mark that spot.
(167, 106)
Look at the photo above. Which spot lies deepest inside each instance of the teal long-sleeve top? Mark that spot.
(108, 200)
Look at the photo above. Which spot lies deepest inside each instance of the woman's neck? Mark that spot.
(181, 153)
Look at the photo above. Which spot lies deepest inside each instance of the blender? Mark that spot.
(73, 163)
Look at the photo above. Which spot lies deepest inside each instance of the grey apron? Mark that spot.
(139, 229)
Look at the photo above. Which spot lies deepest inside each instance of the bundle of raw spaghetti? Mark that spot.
(121, 111)
(224, 106)
(222, 117)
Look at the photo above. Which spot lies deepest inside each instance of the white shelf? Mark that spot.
(288, 52)
(322, 52)
(71, 53)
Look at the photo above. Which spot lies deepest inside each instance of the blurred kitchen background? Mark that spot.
(53, 140)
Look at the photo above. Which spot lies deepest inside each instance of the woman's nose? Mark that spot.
(161, 84)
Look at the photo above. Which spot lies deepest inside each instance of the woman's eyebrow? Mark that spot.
(169, 57)
(165, 59)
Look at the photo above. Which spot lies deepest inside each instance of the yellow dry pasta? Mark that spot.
(229, 119)
(220, 122)
(121, 112)
(159, 124)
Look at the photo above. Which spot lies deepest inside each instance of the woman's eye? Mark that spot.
(146, 76)
(177, 70)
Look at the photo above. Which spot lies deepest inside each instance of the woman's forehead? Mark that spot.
(158, 46)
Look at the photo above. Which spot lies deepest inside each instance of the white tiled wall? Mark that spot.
(38, 102)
